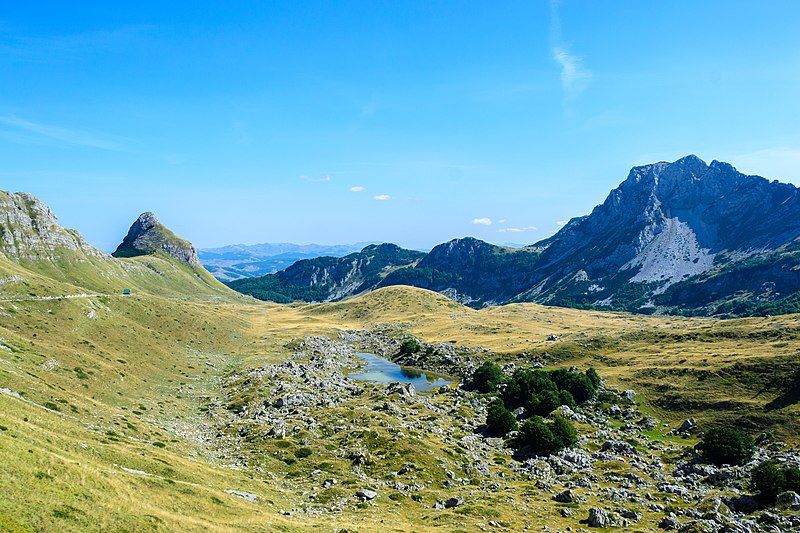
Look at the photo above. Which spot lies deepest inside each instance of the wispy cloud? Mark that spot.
(60, 48)
(59, 134)
(357, 188)
(561, 222)
(321, 179)
(517, 230)
(574, 76)
(485, 221)
(382, 197)
(780, 163)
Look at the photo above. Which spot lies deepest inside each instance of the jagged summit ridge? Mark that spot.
(684, 236)
(148, 236)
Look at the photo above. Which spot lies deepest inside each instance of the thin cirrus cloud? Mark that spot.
(45, 132)
(485, 221)
(517, 230)
(382, 197)
(561, 223)
(574, 76)
(322, 179)
(357, 188)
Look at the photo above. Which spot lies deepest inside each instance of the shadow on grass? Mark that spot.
(790, 396)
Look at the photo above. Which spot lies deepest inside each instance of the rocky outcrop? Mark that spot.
(148, 236)
(30, 231)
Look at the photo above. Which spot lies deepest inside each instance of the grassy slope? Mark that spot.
(128, 383)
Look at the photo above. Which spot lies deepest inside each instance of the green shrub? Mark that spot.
(302, 452)
(409, 346)
(536, 437)
(770, 479)
(525, 383)
(499, 420)
(564, 432)
(544, 403)
(486, 377)
(727, 445)
(594, 377)
(579, 385)
(541, 438)
(566, 399)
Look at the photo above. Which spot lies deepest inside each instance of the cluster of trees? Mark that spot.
(731, 446)
(539, 393)
(727, 446)
(771, 478)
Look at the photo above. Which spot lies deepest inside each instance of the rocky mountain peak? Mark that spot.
(148, 236)
(29, 229)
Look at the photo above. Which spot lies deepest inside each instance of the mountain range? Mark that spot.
(238, 261)
(684, 237)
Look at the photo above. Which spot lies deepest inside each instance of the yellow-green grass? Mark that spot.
(131, 374)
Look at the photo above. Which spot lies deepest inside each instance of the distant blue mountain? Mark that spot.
(250, 260)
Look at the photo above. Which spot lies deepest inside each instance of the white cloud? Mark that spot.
(382, 197)
(574, 76)
(357, 188)
(55, 133)
(501, 221)
(517, 230)
(781, 164)
(322, 179)
(561, 222)
(482, 221)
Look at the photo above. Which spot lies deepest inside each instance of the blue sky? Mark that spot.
(409, 122)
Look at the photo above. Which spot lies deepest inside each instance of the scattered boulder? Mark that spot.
(566, 496)
(629, 395)
(403, 389)
(670, 523)
(620, 447)
(366, 495)
(598, 518)
(453, 502)
(788, 499)
(249, 496)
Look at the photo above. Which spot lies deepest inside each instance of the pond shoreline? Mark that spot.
(381, 370)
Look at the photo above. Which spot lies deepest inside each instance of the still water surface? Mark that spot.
(380, 370)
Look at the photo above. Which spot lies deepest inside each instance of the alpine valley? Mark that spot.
(674, 238)
(139, 393)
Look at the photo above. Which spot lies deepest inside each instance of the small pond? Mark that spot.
(380, 370)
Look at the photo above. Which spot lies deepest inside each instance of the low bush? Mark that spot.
(409, 346)
(543, 404)
(727, 446)
(541, 438)
(769, 479)
(486, 377)
(499, 420)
